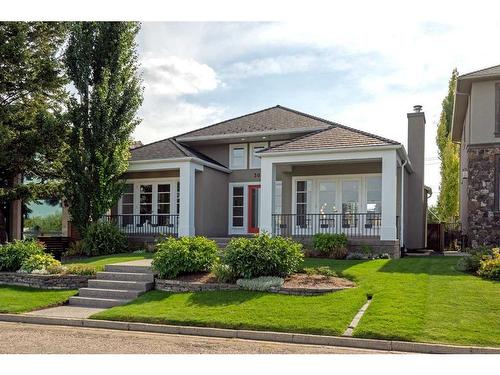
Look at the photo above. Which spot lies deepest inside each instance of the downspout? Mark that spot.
(401, 214)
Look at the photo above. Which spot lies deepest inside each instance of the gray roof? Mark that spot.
(487, 72)
(335, 136)
(167, 149)
(267, 120)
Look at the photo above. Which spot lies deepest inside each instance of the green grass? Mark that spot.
(18, 299)
(414, 299)
(100, 261)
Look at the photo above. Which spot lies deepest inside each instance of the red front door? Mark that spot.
(253, 208)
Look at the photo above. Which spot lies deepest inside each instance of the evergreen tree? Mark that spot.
(32, 96)
(101, 62)
(448, 199)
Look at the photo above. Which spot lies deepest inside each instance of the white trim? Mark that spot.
(245, 155)
(251, 148)
(321, 151)
(249, 134)
(244, 228)
(168, 164)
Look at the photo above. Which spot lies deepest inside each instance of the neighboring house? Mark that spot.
(283, 172)
(476, 125)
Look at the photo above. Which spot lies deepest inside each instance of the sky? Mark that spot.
(366, 75)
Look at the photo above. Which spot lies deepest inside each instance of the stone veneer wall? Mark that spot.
(483, 218)
(44, 281)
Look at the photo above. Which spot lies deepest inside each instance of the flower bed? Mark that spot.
(296, 284)
(44, 281)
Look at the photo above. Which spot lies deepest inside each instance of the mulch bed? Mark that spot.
(302, 280)
(200, 277)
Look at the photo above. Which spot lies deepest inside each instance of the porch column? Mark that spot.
(187, 199)
(267, 179)
(388, 230)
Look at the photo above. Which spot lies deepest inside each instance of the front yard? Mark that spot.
(18, 299)
(414, 299)
(100, 261)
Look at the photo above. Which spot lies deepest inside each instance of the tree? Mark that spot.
(448, 199)
(101, 62)
(32, 96)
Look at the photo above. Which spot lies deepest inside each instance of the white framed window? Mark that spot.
(238, 156)
(278, 193)
(238, 207)
(255, 160)
(374, 194)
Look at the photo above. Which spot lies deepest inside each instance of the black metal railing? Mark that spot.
(303, 225)
(146, 225)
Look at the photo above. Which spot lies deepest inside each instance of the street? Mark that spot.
(18, 338)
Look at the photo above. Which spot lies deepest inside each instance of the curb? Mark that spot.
(294, 338)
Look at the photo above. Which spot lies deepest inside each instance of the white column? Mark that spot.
(389, 196)
(187, 199)
(267, 179)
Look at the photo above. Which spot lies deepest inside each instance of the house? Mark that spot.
(283, 172)
(476, 126)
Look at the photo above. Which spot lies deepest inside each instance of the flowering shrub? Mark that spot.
(13, 254)
(223, 273)
(38, 262)
(263, 255)
(263, 283)
(472, 261)
(490, 266)
(80, 269)
(184, 255)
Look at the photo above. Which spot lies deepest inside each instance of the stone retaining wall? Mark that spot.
(44, 281)
(177, 286)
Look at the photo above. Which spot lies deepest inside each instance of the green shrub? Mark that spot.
(223, 273)
(490, 266)
(332, 245)
(56, 269)
(81, 269)
(472, 261)
(184, 255)
(75, 249)
(38, 262)
(263, 283)
(263, 255)
(104, 238)
(13, 254)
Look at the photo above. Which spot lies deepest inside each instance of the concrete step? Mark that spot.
(127, 268)
(109, 293)
(122, 285)
(125, 276)
(96, 302)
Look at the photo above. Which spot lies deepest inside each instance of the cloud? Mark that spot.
(175, 76)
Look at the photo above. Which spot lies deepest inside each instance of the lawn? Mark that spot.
(18, 299)
(100, 261)
(414, 299)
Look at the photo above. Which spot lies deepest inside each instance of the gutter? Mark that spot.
(185, 159)
(402, 209)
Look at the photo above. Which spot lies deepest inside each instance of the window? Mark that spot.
(255, 160)
(178, 196)
(163, 208)
(350, 203)
(145, 203)
(327, 197)
(497, 182)
(374, 194)
(302, 202)
(497, 109)
(128, 205)
(238, 206)
(238, 156)
(278, 188)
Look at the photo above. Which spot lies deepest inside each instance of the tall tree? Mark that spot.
(32, 95)
(448, 199)
(101, 61)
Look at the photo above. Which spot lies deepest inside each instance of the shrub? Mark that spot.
(56, 269)
(38, 262)
(75, 249)
(223, 273)
(490, 266)
(13, 254)
(472, 261)
(332, 245)
(185, 255)
(81, 269)
(323, 271)
(263, 283)
(104, 238)
(263, 255)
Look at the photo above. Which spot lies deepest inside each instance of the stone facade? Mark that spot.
(483, 217)
(44, 281)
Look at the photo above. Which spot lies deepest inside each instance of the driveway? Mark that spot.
(40, 339)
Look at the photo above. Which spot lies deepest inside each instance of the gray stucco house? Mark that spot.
(284, 172)
(476, 126)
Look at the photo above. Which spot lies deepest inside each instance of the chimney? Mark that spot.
(415, 199)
